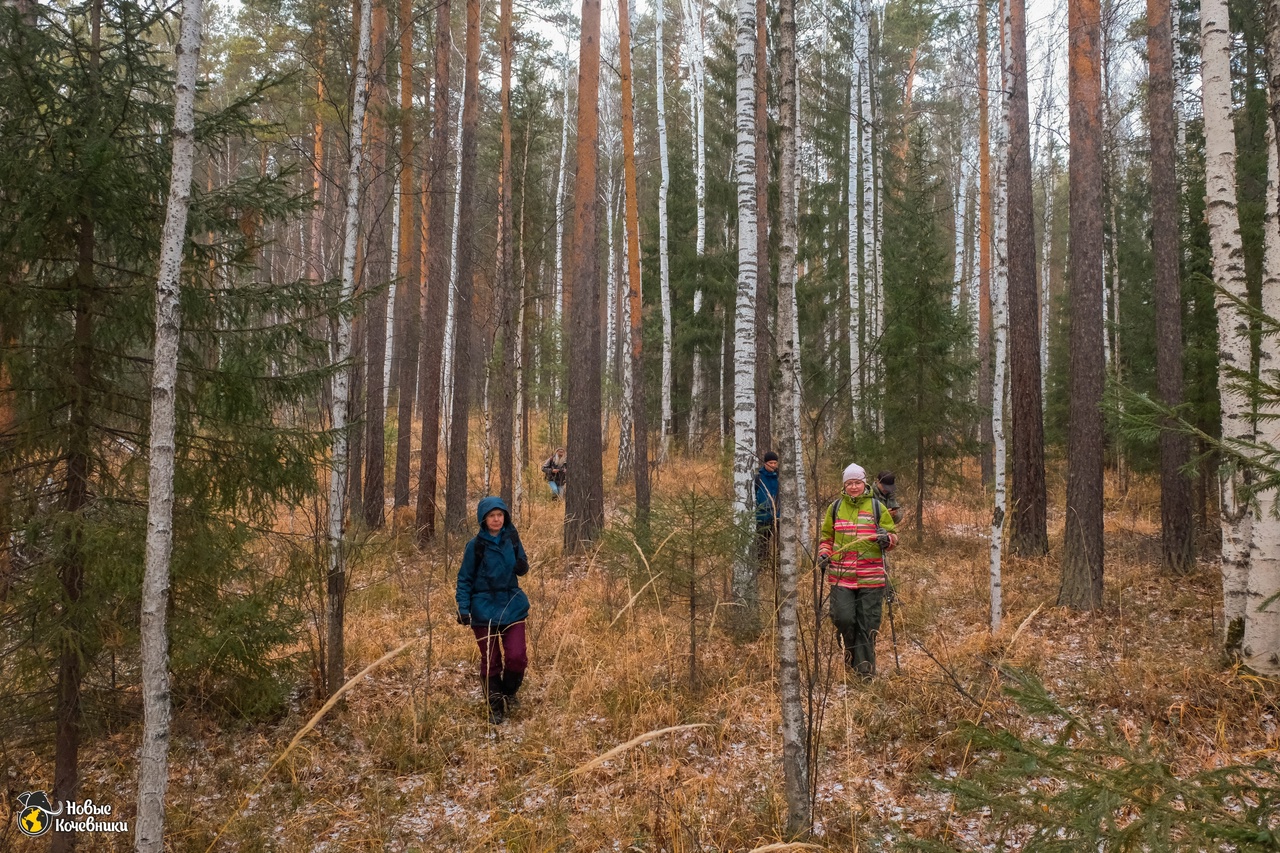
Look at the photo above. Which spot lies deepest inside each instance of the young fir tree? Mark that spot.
(926, 339)
(85, 174)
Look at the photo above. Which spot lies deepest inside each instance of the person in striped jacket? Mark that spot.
(851, 554)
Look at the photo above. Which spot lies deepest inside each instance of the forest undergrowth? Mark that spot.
(409, 762)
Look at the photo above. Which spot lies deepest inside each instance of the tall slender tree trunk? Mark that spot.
(855, 281)
(336, 589)
(1029, 536)
(1177, 524)
(695, 43)
(377, 274)
(745, 592)
(455, 499)
(409, 272)
(795, 764)
(999, 311)
(437, 282)
(1082, 549)
(561, 216)
(764, 340)
(634, 366)
(451, 310)
(664, 260)
(984, 247)
(1233, 326)
(153, 765)
(508, 306)
(584, 507)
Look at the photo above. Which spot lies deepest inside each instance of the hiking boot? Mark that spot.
(497, 702)
(511, 682)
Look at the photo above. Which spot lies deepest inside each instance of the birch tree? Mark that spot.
(153, 766)
(1229, 275)
(985, 194)
(336, 589)
(999, 311)
(764, 337)
(409, 270)
(507, 304)
(794, 735)
(664, 260)
(745, 593)
(695, 49)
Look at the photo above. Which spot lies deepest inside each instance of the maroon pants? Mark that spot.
(501, 649)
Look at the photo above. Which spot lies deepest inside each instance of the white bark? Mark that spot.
(962, 201)
(560, 180)
(1228, 272)
(1046, 269)
(855, 281)
(611, 283)
(153, 769)
(626, 452)
(791, 699)
(744, 353)
(664, 261)
(1261, 646)
(450, 333)
(695, 51)
(341, 402)
(867, 332)
(999, 356)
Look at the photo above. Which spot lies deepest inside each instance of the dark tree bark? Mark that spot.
(764, 341)
(1176, 521)
(455, 495)
(437, 282)
(377, 274)
(404, 363)
(584, 505)
(1029, 536)
(987, 440)
(507, 307)
(1082, 555)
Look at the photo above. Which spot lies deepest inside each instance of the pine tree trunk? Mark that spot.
(437, 282)
(1178, 525)
(409, 271)
(745, 592)
(985, 225)
(508, 306)
(795, 760)
(1029, 536)
(1082, 548)
(336, 590)
(584, 504)
(153, 766)
(633, 369)
(455, 498)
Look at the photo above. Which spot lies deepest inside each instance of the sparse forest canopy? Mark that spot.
(1026, 260)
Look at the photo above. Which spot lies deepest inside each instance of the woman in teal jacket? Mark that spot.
(492, 603)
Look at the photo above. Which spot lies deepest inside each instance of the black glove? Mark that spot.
(882, 538)
(824, 563)
(522, 567)
(464, 618)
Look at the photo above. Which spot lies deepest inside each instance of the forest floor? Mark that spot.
(409, 762)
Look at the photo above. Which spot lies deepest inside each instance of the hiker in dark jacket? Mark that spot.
(491, 602)
(767, 506)
(556, 471)
(886, 492)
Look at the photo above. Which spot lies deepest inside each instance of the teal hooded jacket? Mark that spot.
(488, 590)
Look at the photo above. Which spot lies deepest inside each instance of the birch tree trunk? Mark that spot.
(764, 335)
(451, 319)
(508, 306)
(866, 160)
(558, 304)
(985, 382)
(854, 280)
(795, 765)
(999, 310)
(153, 767)
(455, 497)
(336, 589)
(633, 366)
(696, 47)
(745, 593)
(664, 261)
(429, 378)
(1233, 326)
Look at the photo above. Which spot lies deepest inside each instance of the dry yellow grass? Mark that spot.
(410, 763)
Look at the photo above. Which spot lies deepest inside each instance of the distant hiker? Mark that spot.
(857, 530)
(491, 602)
(556, 471)
(884, 491)
(767, 507)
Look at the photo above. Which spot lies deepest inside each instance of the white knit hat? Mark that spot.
(854, 472)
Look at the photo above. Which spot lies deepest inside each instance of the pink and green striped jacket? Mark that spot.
(850, 542)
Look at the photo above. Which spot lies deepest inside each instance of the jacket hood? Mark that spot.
(488, 505)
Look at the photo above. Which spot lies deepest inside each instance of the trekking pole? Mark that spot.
(893, 628)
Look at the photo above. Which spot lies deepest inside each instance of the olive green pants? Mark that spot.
(856, 613)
